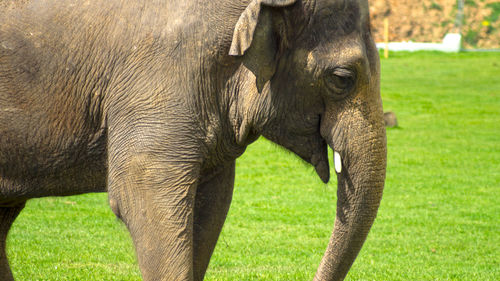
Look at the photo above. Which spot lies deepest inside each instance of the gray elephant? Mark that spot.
(152, 102)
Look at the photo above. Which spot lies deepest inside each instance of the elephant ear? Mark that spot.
(254, 38)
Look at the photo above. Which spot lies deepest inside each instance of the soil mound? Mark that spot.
(430, 20)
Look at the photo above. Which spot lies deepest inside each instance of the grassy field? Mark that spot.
(439, 218)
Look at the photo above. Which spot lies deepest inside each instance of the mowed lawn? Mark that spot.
(439, 218)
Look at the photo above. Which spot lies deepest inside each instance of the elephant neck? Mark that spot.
(226, 114)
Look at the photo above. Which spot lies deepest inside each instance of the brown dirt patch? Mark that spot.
(430, 20)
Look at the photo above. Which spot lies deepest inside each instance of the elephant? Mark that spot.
(153, 102)
(390, 119)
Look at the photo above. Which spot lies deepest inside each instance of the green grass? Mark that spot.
(439, 218)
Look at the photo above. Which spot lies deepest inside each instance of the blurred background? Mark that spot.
(478, 21)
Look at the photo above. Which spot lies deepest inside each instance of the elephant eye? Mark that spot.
(340, 81)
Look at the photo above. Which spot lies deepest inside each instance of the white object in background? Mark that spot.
(451, 44)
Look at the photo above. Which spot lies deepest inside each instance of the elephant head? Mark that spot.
(315, 83)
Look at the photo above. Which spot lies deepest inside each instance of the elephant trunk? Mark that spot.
(360, 187)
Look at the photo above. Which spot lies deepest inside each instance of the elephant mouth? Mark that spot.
(321, 164)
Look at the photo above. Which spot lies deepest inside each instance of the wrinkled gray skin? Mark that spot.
(152, 101)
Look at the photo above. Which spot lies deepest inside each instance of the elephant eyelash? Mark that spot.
(339, 81)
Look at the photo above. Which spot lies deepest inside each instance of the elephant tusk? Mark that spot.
(337, 162)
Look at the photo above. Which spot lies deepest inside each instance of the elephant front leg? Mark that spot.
(213, 197)
(155, 199)
(7, 217)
